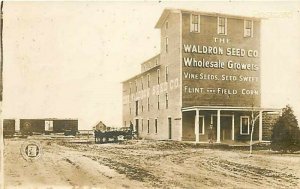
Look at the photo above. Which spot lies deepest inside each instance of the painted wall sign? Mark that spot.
(220, 71)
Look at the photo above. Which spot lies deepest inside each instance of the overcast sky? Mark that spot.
(68, 59)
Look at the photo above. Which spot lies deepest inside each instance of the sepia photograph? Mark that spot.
(150, 94)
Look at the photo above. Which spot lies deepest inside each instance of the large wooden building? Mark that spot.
(206, 79)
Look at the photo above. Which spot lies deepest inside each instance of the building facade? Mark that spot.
(205, 83)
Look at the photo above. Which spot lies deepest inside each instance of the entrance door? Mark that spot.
(225, 129)
(170, 127)
(137, 127)
(136, 108)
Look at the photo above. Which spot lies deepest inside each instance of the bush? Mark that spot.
(286, 134)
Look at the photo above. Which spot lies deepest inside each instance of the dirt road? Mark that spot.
(147, 164)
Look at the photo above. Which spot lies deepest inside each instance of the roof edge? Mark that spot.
(164, 15)
(137, 75)
(167, 11)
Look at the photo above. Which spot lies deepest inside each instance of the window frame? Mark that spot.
(155, 125)
(148, 104)
(158, 76)
(158, 102)
(142, 83)
(167, 73)
(167, 45)
(225, 26)
(142, 105)
(148, 80)
(241, 125)
(142, 120)
(245, 29)
(193, 25)
(167, 100)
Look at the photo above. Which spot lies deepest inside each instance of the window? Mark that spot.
(148, 80)
(142, 125)
(244, 125)
(167, 24)
(148, 126)
(248, 28)
(158, 102)
(167, 73)
(222, 25)
(158, 76)
(142, 105)
(167, 101)
(148, 103)
(201, 125)
(142, 84)
(130, 108)
(195, 23)
(155, 125)
(167, 44)
(129, 87)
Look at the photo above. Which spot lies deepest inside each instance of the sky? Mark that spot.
(68, 59)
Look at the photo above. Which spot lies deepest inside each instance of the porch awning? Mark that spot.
(230, 108)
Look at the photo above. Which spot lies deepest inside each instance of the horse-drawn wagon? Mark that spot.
(106, 136)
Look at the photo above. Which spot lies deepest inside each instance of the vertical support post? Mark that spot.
(232, 124)
(181, 126)
(197, 125)
(260, 126)
(218, 126)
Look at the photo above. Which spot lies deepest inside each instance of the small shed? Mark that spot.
(100, 126)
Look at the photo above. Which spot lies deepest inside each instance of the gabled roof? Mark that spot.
(100, 123)
(163, 17)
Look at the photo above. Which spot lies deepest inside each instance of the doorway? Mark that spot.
(225, 127)
(137, 127)
(170, 127)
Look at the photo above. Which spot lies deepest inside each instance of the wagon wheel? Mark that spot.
(104, 140)
(115, 138)
(97, 140)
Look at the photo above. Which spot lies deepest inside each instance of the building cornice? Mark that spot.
(166, 13)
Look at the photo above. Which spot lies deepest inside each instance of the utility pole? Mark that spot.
(1, 56)
(1, 99)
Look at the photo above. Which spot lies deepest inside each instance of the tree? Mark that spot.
(253, 120)
(286, 133)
